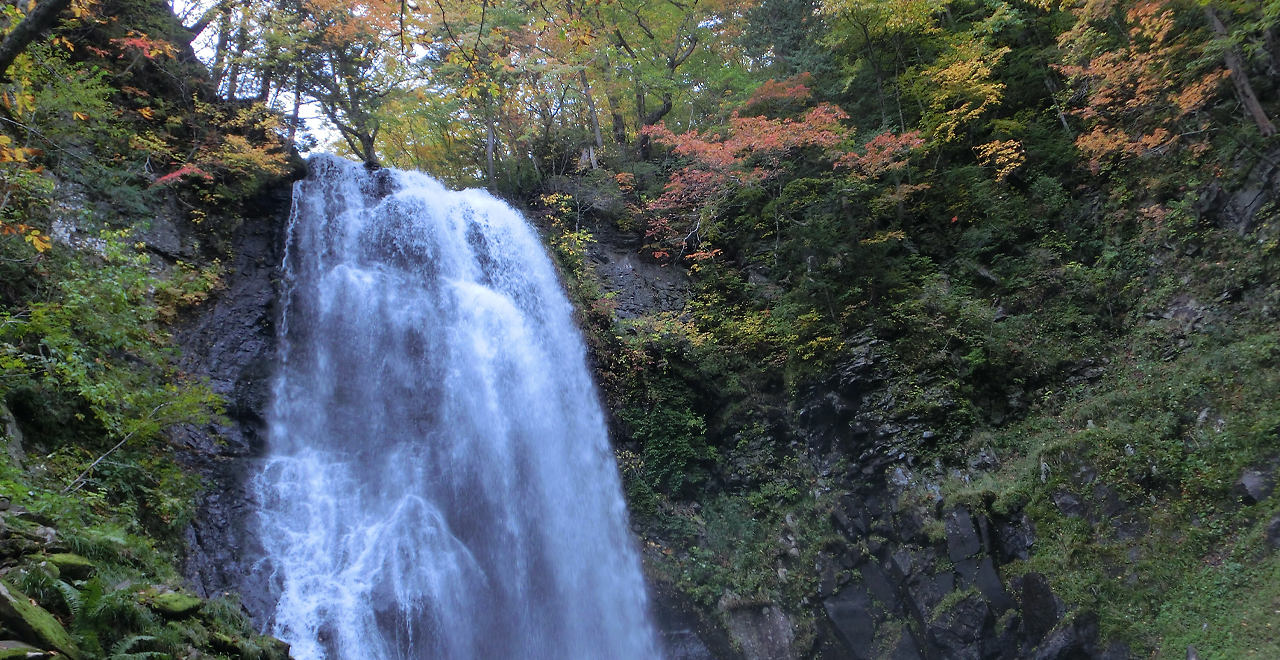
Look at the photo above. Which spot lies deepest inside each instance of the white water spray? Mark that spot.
(440, 482)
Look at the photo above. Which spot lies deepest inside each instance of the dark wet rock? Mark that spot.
(1107, 502)
(1273, 532)
(1129, 526)
(909, 526)
(1237, 209)
(1255, 485)
(639, 285)
(684, 630)
(850, 517)
(854, 617)
(957, 631)
(907, 648)
(987, 580)
(901, 563)
(1068, 504)
(1015, 537)
(828, 570)
(1073, 640)
(1116, 651)
(962, 538)
(1039, 606)
(763, 633)
(925, 592)
(230, 340)
(12, 436)
(880, 586)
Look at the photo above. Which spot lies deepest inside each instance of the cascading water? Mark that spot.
(440, 483)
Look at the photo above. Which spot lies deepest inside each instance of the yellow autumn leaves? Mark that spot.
(12, 154)
(38, 240)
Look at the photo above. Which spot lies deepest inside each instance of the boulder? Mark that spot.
(854, 617)
(175, 605)
(1015, 537)
(850, 517)
(14, 650)
(1075, 639)
(881, 587)
(763, 633)
(1273, 532)
(1039, 607)
(957, 632)
(1255, 486)
(926, 591)
(906, 648)
(988, 582)
(1069, 504)
(34, 623)
(72, 566)
(962, 538)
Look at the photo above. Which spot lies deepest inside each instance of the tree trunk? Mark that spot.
(1238, 78)
(591, 107)
(643, 142)
(268, 70)
(1273, 50)
(43, 17)
(206, 19)
(615, 107)
(297, 109)
(370, 152)
(488, 143)
(220, 51)
(242, 44)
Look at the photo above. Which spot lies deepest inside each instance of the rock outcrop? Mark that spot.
(231, 341)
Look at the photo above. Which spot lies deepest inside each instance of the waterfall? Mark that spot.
(439, 481)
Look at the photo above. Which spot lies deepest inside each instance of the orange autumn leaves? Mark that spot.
(752, 151)
(755, 146)
(1142, 97)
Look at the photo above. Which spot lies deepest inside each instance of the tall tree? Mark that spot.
(42, 18)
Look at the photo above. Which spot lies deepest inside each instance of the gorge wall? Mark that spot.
(869, 542)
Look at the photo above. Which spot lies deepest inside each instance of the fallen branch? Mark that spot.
(80, 480)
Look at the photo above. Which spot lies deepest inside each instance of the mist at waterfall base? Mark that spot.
(439, 483)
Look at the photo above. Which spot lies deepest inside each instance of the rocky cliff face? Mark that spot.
(905, 577)
(231, 340)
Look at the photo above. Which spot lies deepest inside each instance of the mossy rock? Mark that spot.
(71, 566)
(34, 622)
(223, 643)
(13, 650)
(274, 649)
(175, 605)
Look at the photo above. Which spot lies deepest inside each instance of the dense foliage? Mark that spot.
(109, 136)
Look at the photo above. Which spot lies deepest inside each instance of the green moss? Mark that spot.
(175, 605)
(72, 566)
(15, 651)
(21, 612)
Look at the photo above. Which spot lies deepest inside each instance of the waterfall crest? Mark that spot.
(440, 482)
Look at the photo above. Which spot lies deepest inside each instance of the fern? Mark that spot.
(117, 610)
(121, 651)
(70, 596)
(144, 655)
